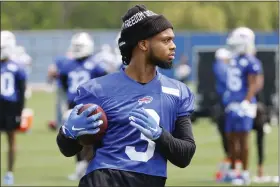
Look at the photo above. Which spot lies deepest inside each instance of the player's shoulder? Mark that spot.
(101, 85)
(61, 59)
(248, 59)
(13, 66)
(174, 87)
(68, 64)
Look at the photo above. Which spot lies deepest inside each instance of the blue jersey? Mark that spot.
(11, 73)
(59, 61)
(125, 147)
(78, 73)
(220, 72)
(237, 77)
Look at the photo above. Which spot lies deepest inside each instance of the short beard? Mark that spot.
(157, 62)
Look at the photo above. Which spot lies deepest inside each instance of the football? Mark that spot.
(86, 140)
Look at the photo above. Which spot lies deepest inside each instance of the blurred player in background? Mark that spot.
(220, 66)
(80, 69)
(244, 79)
(107, 58)
(182, 70)
(61, 98)
(19, 56)
(13, 83)
(164, 126)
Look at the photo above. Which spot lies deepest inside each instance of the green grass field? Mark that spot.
(39, 162)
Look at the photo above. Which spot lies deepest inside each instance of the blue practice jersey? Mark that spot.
(80, 72)
(237, 77)
(220, 72)
(59, 61)
(11, 73)
(124, 147)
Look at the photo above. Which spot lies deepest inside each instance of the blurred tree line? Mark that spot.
(210, 16)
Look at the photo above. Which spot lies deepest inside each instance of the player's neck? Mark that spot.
(140, 72)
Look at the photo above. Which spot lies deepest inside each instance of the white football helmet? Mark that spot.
(241, 41)
(6, 48)
(81, 45)
(9, 37)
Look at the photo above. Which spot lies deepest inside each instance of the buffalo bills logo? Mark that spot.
(145, 100)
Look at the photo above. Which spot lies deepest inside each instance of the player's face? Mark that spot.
(162, 49)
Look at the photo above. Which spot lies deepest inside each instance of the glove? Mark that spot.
(142, 120)
(244, 107)
(77, 125)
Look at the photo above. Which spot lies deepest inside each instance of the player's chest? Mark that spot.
(159, 105)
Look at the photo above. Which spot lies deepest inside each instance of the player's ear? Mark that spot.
(143, 45)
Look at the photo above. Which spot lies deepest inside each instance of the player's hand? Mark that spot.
(142, 120)
(244, 108)
(80, 124)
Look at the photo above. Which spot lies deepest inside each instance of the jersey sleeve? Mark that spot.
(254, 67)
(99, 71)
(21, 74)
(186, 102)
(86, 94)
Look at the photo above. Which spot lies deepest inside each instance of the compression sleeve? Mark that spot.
(178, 147)
(68, 147)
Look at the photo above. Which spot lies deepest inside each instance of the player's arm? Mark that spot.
(67, 146)
(63, 79)
(67, 136)
(52, 72)
(180, 147)
(255, 80)
(218, 73)
(21, 85)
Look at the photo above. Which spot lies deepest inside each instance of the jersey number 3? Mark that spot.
(149, 153)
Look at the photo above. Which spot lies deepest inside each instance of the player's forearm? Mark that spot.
(255, 85)
(180, 148)
(63, 80)
(68, 147)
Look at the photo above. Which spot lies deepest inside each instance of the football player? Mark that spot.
(19, 56)
(222, 56)
(13, 78)
(148, 113)
(244, 80)
(78, 70)
(61, 98)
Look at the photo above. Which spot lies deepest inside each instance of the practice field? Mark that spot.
(39, 162)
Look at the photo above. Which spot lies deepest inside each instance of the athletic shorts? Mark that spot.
(10, 115)
(119, 178)
(236, 123)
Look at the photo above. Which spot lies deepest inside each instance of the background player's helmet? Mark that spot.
(241, 41)
(9, 38)
(6, 48)
(81, 45)
(222, 53)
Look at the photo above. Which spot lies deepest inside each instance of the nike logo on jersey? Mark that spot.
(77, 129)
